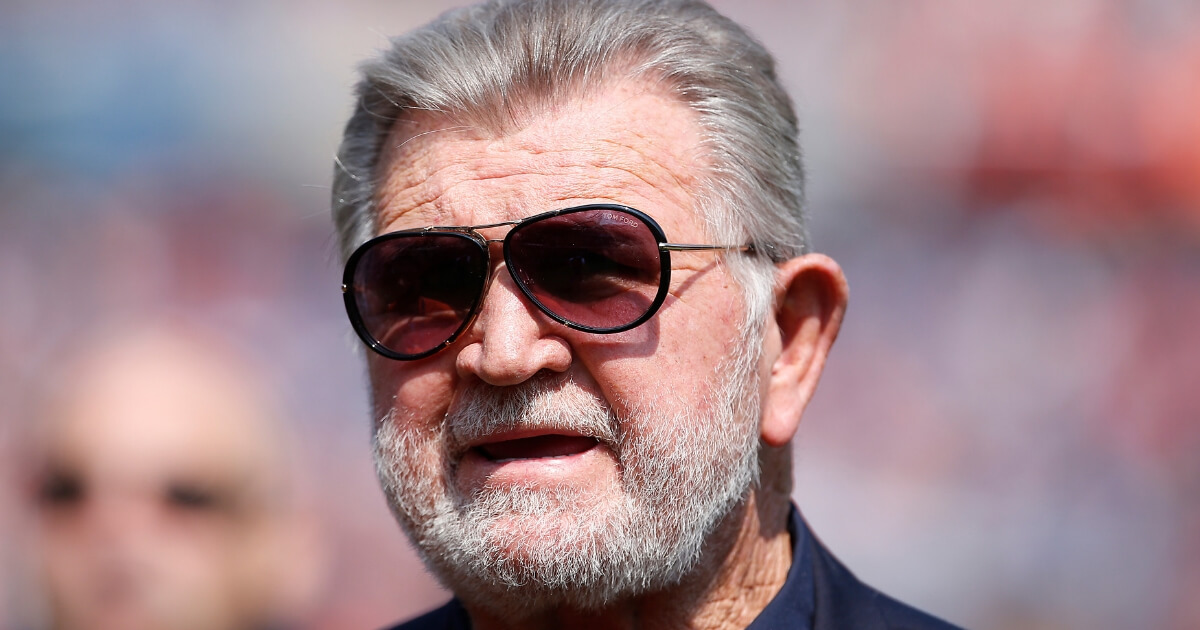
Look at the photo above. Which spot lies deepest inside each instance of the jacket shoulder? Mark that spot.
(452, 616)
(845, 602)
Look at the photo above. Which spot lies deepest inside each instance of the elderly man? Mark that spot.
(574, 244)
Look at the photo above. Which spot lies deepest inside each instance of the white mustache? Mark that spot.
(548, 404)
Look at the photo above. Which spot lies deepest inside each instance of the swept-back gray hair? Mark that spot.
(493, 64)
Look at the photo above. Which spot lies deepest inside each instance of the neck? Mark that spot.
(746, 563)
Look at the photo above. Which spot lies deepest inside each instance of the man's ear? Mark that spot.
(810, 302)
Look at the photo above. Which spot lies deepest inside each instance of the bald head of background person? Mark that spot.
(163, 492)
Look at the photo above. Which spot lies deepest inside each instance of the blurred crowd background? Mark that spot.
(1009, 427)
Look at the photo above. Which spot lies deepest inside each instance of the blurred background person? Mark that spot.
(164, 491)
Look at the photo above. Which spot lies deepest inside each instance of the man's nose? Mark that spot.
(511, 339)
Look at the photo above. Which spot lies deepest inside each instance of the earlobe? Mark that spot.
(810, 302)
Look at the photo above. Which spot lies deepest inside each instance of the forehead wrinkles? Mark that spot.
(414, 161)
(628, 142)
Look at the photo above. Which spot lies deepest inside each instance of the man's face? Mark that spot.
(582, 467)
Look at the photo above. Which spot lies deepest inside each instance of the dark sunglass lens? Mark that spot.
(415, 291)
(598, 268)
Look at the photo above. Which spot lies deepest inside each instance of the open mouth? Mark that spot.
(536, 447)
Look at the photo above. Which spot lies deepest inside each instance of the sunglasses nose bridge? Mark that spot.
(496, 263)
(491, 244)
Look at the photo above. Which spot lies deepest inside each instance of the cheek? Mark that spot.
(688, 349)
(420, 390)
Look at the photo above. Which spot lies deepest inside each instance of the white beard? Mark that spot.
(531, 548)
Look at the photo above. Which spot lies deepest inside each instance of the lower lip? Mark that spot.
(591, 467)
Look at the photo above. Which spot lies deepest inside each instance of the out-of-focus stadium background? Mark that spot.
(1008, 433)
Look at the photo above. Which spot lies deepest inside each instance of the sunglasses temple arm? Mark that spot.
(687, 247)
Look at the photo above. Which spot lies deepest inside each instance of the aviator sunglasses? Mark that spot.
(600, 268)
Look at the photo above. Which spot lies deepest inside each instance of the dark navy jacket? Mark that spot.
(820, 594)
